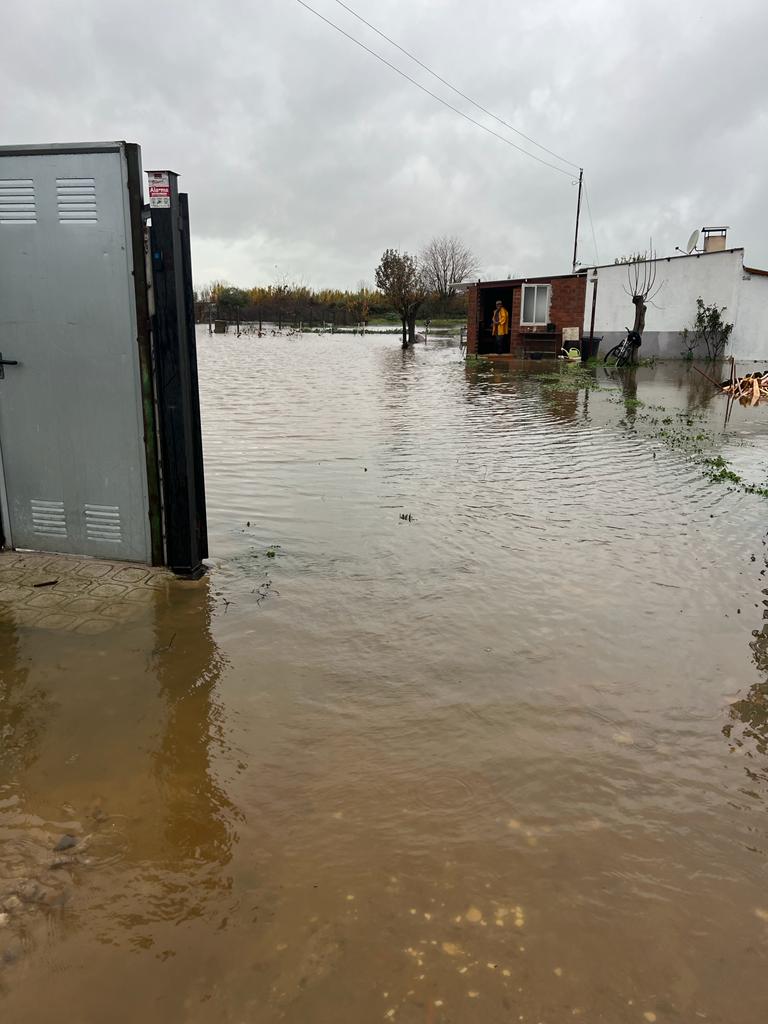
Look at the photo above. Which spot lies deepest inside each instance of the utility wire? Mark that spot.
(434, 95)
(591, 224)
(454, 89)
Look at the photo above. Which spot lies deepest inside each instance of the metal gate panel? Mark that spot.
(71, 423)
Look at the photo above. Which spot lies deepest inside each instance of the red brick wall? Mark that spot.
(567, 308)
(566, 303)
(514, 318)
(472, 332)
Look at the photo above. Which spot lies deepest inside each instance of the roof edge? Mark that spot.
(662, 259)
(55, 148)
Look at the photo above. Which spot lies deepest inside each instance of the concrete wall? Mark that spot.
(750, 333)
(717, 277)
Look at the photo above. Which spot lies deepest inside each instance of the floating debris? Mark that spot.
(473, 915)
(750, 389)
(65, 843)
(624, 738)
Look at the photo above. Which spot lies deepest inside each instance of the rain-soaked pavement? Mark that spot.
(504, 759)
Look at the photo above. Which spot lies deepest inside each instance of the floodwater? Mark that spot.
(504, 759)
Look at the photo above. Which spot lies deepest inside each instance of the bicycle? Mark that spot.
(623, 354)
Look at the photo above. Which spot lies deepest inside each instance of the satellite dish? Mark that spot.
(692, 241)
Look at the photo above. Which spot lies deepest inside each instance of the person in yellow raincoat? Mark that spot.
(500, 327)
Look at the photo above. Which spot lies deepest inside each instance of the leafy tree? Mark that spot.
(211, 292)
(229, 295)
(446, 261)
(709, 329)
(403, 283)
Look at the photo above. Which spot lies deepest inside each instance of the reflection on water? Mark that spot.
(187, 669)
(748, 726)
(22, 713)
(463, 766)
(112, 820)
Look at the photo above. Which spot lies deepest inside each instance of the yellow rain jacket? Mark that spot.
(500, 322)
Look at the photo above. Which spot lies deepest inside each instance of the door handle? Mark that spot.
(6, 362)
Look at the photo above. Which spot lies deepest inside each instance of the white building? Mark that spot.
(718, 276)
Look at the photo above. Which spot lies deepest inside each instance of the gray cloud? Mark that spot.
(301, 152)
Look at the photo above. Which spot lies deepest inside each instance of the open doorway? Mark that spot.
(486, 343)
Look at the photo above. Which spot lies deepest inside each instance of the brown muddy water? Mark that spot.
(502, 760)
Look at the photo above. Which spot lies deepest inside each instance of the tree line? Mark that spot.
(406, 285)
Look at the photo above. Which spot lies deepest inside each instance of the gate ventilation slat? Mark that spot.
(76, 200)
(102, 523)
(48, 518)
(17, 201)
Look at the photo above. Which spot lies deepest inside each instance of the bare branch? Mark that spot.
(447, 260)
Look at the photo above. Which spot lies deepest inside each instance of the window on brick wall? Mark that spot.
(535, 305)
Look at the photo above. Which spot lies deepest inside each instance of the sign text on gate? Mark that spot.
(159, 190)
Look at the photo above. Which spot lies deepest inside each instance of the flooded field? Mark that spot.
(468, 723)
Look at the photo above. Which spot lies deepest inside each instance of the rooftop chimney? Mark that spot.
(714, 239)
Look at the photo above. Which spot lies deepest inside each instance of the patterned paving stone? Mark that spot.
(56, 620)
(83, 596)
(95, 570)
(130, 575)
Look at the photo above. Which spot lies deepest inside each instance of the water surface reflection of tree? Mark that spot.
(747, 729)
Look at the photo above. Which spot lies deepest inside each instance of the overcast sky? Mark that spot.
(305, 157)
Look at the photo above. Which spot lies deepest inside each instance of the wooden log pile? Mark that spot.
(750, 389)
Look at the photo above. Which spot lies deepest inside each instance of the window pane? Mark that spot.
(542, 302)
(529, 297)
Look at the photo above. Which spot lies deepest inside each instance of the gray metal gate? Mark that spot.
(73, 466)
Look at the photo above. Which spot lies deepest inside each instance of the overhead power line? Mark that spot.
(453, 88)
(434, 95)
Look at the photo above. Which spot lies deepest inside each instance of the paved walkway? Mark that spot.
(60, 592)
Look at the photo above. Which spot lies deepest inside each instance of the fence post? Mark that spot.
(178, 404)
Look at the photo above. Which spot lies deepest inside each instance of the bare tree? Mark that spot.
(641, 283)
(401, 280)
(446, 261)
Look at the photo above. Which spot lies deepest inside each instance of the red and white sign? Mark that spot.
(159, 190)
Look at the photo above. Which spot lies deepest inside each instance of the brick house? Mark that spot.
(540, 309)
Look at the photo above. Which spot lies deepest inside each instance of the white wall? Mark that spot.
(750, 333)
(717, 277)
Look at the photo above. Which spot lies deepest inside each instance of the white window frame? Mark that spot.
(535, 323)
